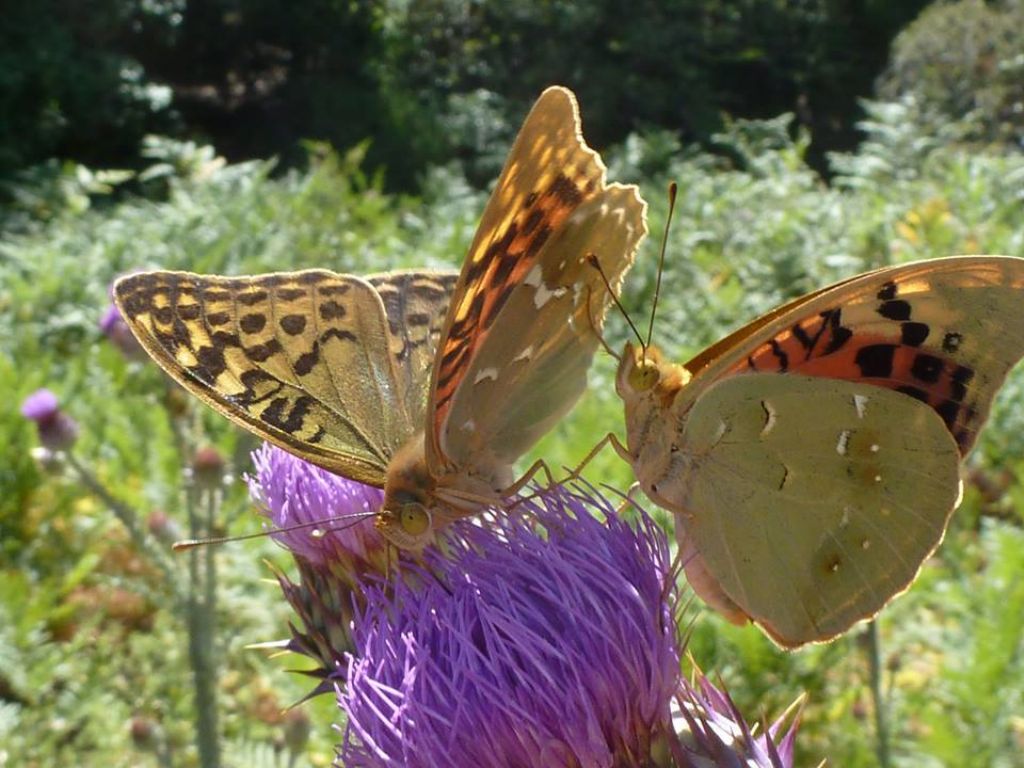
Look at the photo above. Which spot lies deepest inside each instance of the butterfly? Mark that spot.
(424, 384)
(812, 458)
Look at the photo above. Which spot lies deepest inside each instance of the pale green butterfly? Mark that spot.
(812, 457)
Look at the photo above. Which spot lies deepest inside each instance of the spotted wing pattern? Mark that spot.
(331, 367)
(945, 332)
(519, 335)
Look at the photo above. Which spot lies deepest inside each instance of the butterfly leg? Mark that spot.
(609, 439)
(538, 466)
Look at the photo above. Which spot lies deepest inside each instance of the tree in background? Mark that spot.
(426, 80)
(963, 59)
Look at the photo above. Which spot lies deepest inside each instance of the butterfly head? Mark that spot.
(406, 519)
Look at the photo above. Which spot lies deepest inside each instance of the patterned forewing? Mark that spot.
(524, 379)
(549, 174)
(945, 332)
(814, 501)
(302, 359)
(415, 303)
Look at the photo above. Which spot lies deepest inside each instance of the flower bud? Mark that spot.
(57, 431)
(208, 466)
(113, 326)
(163, 528)
(145, 733)
(297, 727)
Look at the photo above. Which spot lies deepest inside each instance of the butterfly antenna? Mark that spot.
(594, 328)
(592, 260)
(186, 544)
(672, 190)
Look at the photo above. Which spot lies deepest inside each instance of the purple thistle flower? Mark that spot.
(42, 405)
(542, 639)
(57, 431)
(520, 648)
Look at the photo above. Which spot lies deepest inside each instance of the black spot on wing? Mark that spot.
(779, 354)
(249, 298)
(251, 380)
(224, 339)
(948, 410)
(260, 353)
(290, 420)
(336, 333)
(532, 221)
(837, 339)
(565, 190)
(210, 364)
(914, 334)
(253, 322)
(188, 312)
(332, 310)
(959, 380)
(838, 334)
(926, 368)
(333, 290)
(895, 309)
(306, 362)
(875, 360)
(801, 335)
(293, 325)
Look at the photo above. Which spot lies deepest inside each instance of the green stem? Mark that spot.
(881, 721)
(201, 636)
(164, 754)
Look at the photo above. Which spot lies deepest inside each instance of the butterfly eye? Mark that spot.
(415, 519)
(644, 375)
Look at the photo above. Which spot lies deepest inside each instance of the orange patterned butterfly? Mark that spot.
(812, 457)
(335, 367)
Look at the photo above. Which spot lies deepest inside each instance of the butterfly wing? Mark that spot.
(415, 303)
(814, 500)
(520, 332)
(945, 332)
(306, 360)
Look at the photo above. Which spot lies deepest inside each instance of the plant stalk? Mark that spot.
(881, 719)
(201, 608)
